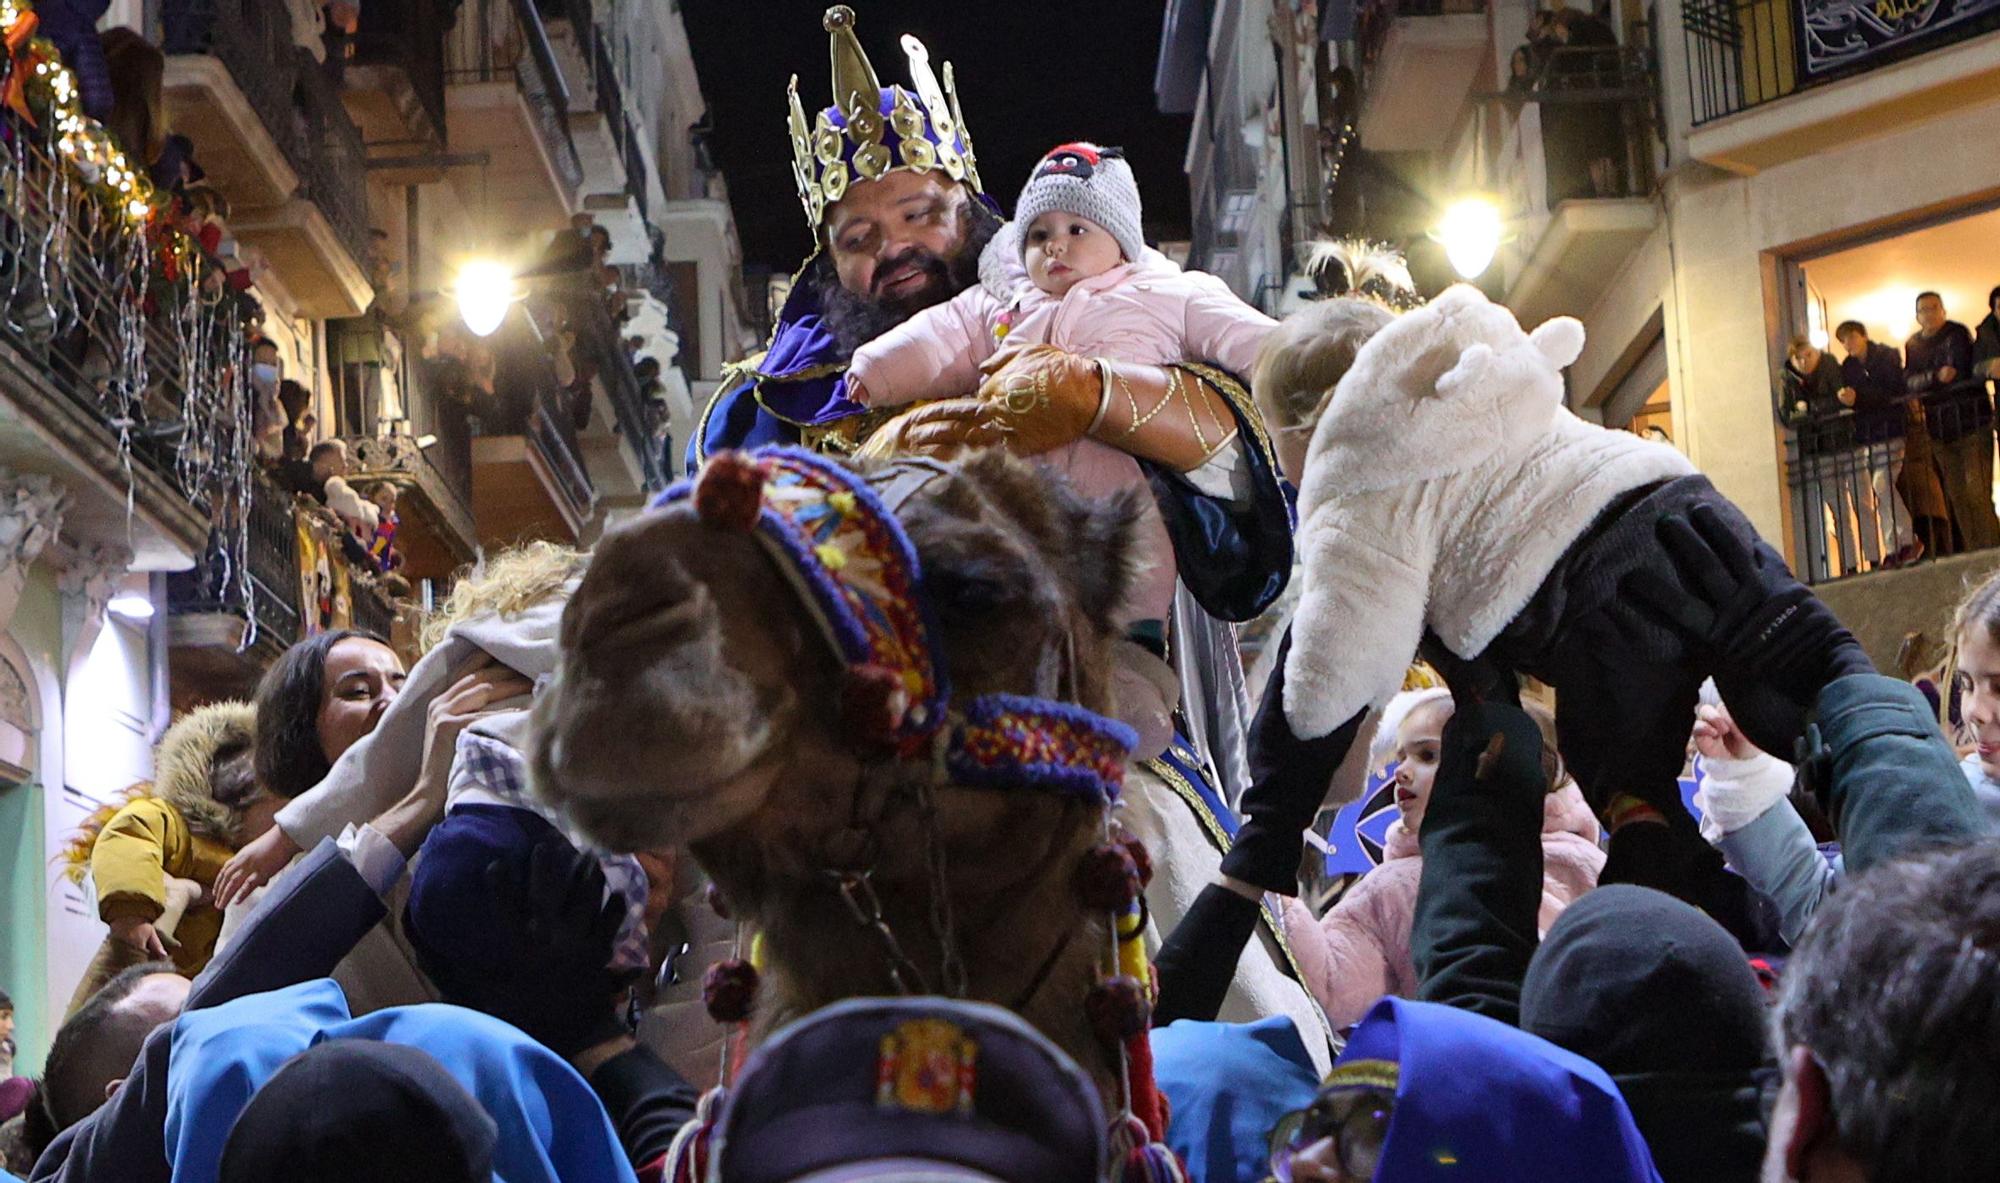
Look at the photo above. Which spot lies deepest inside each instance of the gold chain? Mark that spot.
(1139, 420)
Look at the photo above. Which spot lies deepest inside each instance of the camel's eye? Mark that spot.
(959, 592)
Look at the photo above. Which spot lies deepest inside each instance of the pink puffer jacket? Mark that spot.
(1147, 313)
(1363, 945)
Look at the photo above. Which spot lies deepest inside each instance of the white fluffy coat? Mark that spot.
(1443, 484)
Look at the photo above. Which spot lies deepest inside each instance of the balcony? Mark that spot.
(393, 86)
(1579, 223)
(406, 422)
(1763, 91)
(275, 140)
(618, 385)
(505, 96)
(1421, 58)
(226, 623)
(94, 391)
(529, 477)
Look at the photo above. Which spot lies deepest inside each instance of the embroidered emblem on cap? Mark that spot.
(927, 1066)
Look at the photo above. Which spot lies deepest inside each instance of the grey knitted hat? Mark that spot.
(1090, 182)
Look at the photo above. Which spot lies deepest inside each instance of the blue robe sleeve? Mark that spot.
(1234, 556)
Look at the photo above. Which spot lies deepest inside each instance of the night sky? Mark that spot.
(1030, 76)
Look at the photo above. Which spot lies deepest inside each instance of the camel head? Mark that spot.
(698, 677)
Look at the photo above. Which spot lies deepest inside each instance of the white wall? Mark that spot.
(107, 746)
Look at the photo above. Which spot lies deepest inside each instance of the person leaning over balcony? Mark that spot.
(1831, 471)
(1937, 367)
(1986, 342)
(1881, 416)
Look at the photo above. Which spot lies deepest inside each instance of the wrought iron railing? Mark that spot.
(482, 47)
(409, 35)
(298, 104)
(553, 435)
(598, 338)
(328, 154)
(1871, 491)
(83, 302)
(1743, 53)
(272, 557)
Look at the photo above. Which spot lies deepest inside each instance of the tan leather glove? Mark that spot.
(1042, 397)
(1165, 415)
(941, 429)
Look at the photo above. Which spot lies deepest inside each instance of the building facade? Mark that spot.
(343, 165)
(1699, 181)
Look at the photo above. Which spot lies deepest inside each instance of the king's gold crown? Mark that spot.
(870, 131)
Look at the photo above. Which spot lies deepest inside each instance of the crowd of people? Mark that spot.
(1899, 443)
(888, 801)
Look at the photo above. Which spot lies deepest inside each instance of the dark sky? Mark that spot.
(1031, 74)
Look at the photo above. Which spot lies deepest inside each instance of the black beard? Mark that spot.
(854, 320)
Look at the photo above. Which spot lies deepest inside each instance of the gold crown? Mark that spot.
(870, 132)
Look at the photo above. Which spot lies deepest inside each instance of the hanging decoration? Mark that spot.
(109, 265)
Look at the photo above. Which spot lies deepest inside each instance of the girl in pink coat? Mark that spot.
(1364, 948)
(1072, 270)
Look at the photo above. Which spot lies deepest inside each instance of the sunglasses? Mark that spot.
(1354, 1119)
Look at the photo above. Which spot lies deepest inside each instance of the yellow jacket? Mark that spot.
(137, 849)
(185, 825)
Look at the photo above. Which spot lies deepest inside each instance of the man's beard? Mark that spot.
(854, 320)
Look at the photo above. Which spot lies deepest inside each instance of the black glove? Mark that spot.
(560, 927)
(1289, 778)
(1751, 621)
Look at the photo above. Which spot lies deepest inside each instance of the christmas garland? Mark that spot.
(157, 285)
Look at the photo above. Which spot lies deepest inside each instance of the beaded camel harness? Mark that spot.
(836, 538)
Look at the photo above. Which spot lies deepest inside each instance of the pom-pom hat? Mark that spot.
(1090, 182)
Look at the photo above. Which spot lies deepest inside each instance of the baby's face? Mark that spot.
(385, 497)
(1063, 248)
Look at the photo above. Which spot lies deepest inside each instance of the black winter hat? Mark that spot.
(1638, 981)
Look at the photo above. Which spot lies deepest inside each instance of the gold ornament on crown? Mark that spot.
(828, 157)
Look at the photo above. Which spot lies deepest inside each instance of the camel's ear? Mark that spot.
(1107, 552)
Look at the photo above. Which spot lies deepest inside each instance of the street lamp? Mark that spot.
(1470, 231)
(485, 289)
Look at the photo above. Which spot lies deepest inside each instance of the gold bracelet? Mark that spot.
(1103, 395)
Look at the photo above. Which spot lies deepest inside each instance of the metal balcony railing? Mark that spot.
(409, 35)
(444, 469)
(298, 104)
(497, 40)
(598, 338)
(553, 435)
(1743, 53)
(79, 302)
(272, 556)
(1865, 488)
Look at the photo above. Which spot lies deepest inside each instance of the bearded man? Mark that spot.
(892, 192)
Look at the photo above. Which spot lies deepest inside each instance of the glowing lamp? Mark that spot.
(1470, 232)
(485, 289)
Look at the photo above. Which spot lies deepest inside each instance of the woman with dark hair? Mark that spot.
(325, 693)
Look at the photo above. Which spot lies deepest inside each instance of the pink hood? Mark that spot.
(1362, 950)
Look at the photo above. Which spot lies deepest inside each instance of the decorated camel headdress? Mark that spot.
(871, 130)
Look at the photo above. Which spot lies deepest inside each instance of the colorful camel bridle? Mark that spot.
(835, 536)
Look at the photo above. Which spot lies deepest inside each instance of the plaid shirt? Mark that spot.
(490, 772)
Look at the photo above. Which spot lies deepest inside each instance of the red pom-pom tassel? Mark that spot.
(1140, 859)
(1117, 1009)
(729, 493)
(728, 990)
(873, 704)
(1107, 880)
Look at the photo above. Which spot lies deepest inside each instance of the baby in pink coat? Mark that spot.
(1072, 270)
